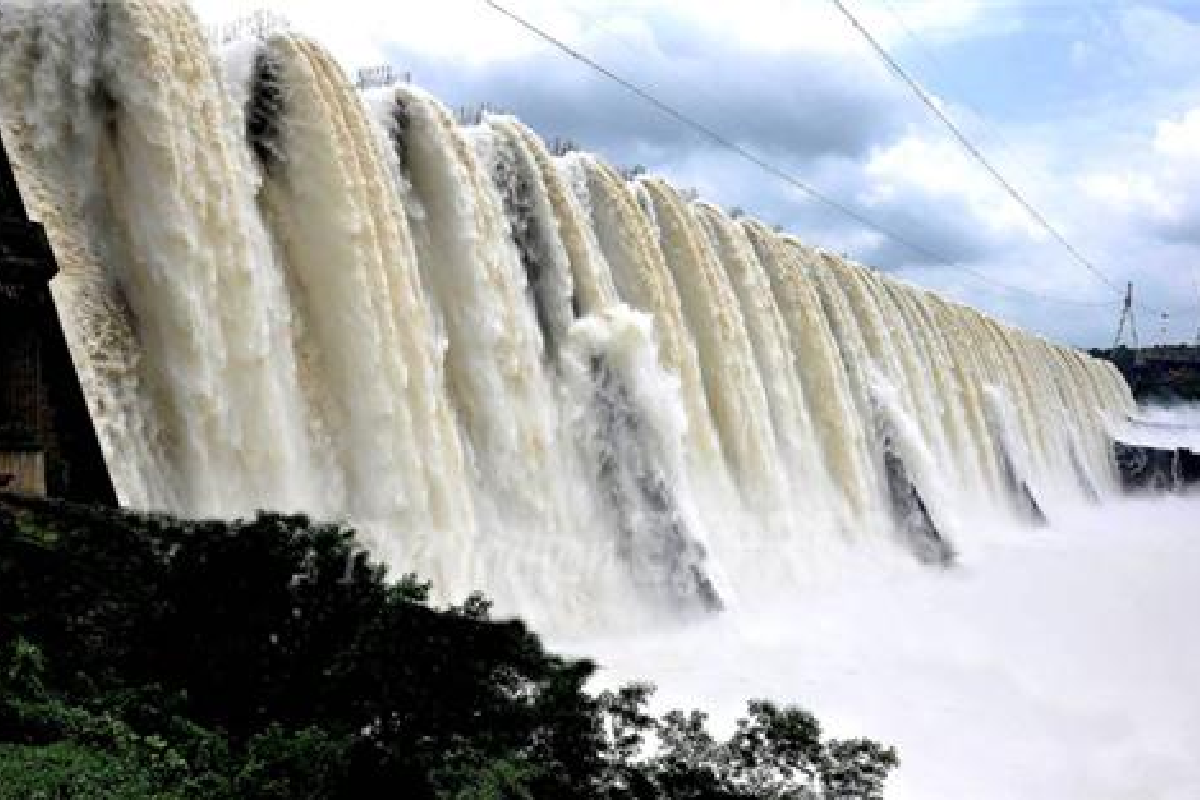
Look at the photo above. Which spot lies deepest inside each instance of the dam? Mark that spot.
(586, 395)
(47, 444)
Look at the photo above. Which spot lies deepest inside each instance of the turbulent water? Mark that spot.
(588, 396)
(1058, 666)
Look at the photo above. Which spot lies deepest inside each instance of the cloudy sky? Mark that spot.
(1090, 109)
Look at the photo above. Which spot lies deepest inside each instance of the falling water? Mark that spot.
(589, 397)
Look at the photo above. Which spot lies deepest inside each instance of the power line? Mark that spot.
(711, 134)
(926, 51)
(1029, 293)
(974, 151)
(928, 102)
(939, 69)
(770, 168)
(1121, 50)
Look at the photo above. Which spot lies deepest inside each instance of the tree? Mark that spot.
(144, 656)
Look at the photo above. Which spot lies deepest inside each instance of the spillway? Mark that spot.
(585, 395)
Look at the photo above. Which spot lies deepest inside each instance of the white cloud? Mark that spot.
(360, 33)
(1180, 139)
(1125, 192)
(1159, 37)
(790, 80)
(357, 31)
(1081, 54)
(1160, 184)
(939, 170)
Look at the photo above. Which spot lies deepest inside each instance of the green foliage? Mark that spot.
(292, 765)
(1163, 373)
(856, 769)
(70, 771)
(773, 753)
(148, 657)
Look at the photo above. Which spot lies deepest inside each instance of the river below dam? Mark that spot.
(1058, 663)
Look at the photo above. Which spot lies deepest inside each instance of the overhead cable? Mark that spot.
(714, 136)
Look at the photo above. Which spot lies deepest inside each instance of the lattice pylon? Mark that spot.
(1127, 316)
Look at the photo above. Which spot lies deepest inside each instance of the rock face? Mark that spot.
(666, 561)
(47, 444)
(1157, 468)
(908, 507)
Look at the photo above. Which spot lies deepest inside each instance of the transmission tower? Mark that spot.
(1127, 315)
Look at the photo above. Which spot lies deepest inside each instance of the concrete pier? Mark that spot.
(47, 443)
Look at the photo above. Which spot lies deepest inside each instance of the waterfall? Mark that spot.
(589, 397)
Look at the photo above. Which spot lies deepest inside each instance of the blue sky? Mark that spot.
(1092, 110)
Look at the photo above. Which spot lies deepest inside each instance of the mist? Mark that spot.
(1053, 663)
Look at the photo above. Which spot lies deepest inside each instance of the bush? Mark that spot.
(144, 656)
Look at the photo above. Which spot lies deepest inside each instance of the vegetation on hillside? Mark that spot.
(1162, 374)
(149, 657)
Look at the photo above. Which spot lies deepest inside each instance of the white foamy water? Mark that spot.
(597, 401)
(608, 407)
(1163, 426)
(1057, 665)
